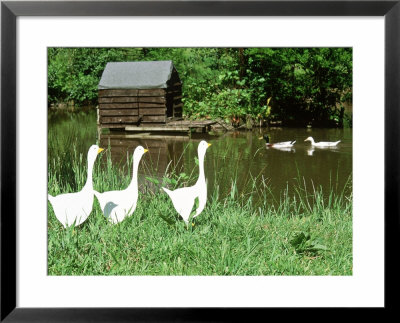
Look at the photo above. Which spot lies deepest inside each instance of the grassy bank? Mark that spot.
(306, 233)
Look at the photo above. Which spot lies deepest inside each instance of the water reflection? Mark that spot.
(234, 156)
(310, 151)
(288, 149)
(163, 150)
(241, 158)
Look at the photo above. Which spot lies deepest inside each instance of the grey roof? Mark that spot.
(136, 75)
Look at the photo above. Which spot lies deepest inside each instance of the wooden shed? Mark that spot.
(139, 94)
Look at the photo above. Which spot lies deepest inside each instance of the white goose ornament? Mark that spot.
(322, 144)
(184, 198)
(74, 208)
(117, 205)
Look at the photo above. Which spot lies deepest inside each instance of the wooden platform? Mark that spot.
(175, 126)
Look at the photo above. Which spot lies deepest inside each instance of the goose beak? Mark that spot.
(146, 150)
(208, 145)
(100, 150)
(260, 138)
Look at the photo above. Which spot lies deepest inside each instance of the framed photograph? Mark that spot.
(273, 122)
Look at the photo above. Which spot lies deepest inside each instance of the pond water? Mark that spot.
(236, 155)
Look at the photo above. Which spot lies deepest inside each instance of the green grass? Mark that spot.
(306, 233)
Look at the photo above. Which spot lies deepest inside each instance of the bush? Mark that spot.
(298, 86)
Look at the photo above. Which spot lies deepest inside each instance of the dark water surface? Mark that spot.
(233, 155)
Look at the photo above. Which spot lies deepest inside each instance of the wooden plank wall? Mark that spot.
(120, 108)
(174, 100)
(174, 96)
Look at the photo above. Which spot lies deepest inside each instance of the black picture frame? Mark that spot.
(10, 10)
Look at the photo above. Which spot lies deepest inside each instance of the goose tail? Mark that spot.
(50, 198)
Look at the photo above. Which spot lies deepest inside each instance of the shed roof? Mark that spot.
(136, 75)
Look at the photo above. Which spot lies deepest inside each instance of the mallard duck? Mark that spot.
(283, 144)
(184, 198)
(322, 144)
(117, 205)
(74, 208)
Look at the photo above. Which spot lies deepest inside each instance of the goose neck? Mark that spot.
(201, 169)
(134, 180)
(89, 180)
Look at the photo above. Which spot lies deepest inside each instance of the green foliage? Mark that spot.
(304, 243)
(298, 86)
(74, 73)
(308, 83)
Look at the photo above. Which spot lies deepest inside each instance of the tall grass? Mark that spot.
(305, 232)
